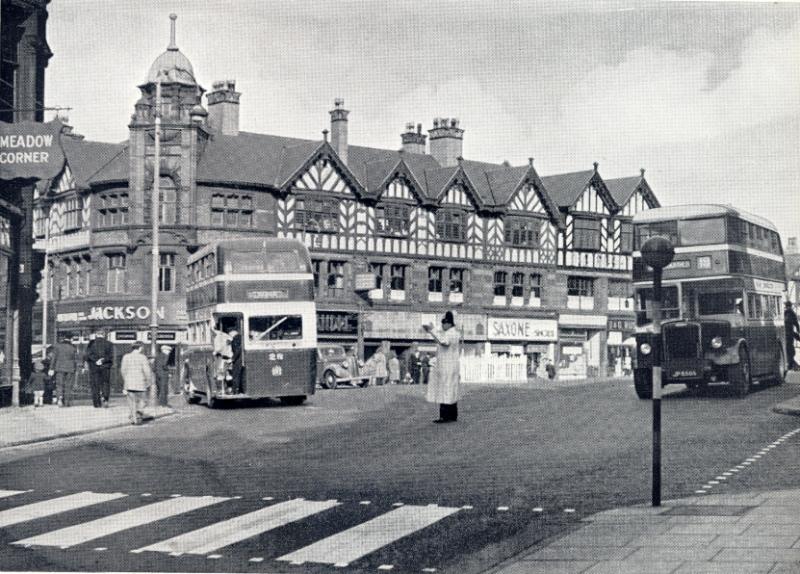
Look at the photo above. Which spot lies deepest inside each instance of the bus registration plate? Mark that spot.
(277, 371)
(684, 374)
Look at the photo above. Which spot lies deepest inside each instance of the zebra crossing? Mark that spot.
(338, 549)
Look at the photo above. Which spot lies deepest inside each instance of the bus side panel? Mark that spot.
(198, 362)
(280, 373)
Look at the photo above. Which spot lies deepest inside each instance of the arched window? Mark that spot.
(167, 199)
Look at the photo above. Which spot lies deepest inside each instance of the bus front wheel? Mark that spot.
(294, 400)
(740, 375)
(643, 383)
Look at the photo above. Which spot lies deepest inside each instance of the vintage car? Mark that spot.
(335, 366)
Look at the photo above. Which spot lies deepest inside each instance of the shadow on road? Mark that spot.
(713, 391)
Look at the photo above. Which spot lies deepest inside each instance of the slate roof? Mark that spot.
(88, 158)
(566, 188)
(623, 188)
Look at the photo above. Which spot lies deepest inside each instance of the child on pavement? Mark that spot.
(36, 383)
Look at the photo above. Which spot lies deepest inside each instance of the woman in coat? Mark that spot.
(445, 377)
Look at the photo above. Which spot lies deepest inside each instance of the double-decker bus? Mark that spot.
(721, 299)
(264, 289)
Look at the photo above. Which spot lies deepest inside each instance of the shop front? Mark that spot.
(581, 345)
(620, 346)
(337, 326)
(533, 338)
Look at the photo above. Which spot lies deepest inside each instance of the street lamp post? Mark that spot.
(657, 252)
(155, 201)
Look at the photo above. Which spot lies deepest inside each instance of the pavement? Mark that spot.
(27, 425)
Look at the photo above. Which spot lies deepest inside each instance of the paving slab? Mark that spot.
(657, 554)
(755, 541)
(758, 555)
(624, 567)
(580, 553)
(724, 568)
(548, 567)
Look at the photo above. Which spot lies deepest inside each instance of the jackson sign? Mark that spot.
(30, 150)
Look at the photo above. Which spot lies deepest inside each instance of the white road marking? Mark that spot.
(569, 510)
(365, 502)
(227, 532)
(353, 543)
(699, 491)
(386, 567)
(80, 533)
(538, 509)
(434, 569)
(54, 506)
(502, 508)
(466, 507)
(256, 559)
(7, 493)
(713, 482)
(214, 556)
(268, 498)
(100, 549)
(397, 504)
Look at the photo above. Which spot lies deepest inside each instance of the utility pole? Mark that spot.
(155, 213)
(45, 283)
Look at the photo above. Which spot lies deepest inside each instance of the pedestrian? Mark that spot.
(443, 386)
(424, 368)
(792, 333)
(551, 369)
(237, 364)
(37, 383)
(137, 378)
(64, 366)
(412, 363)
(379, 364)
(222, 354)
(161, 368)
(100, 358)
(394, 369)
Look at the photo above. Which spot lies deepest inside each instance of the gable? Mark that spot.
(527, 199)
(323, 176)
(457, 194)
(636, 203)
(398, 189)
(590, 201)
(65, 182)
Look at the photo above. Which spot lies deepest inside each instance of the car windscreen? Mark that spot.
(278, 327)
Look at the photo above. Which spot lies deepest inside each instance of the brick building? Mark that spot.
(530, 265)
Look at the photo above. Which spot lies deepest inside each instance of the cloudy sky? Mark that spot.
(705, 96)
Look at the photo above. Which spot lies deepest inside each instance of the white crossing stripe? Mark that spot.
(216, 536)
(80, 533)
(352, 544)
(54, 506)
(7, 493)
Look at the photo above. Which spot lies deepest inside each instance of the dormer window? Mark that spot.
(451, 225)
(586, 234)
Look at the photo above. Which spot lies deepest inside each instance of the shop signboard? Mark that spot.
(592, 321)
(365, 281)
(134, 313)
(337, 323)
(408, 325)
(521, 329)
(30, 150)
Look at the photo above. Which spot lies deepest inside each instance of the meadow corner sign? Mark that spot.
(30, 150)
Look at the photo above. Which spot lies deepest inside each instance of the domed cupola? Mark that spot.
(174, 66)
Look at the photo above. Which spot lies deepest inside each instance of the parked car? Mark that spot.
(335, 366)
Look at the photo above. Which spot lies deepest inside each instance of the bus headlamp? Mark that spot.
(645, 348)
(716, 343)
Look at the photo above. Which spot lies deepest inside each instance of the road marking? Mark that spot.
(466, 507)
(352, 544)
(54, 506)
(100, 549)
(365, 503)
(80, 533)
(569, 510)
(256, 559)
(434, 569)
(268, 498)
(386, 567)
(7, 493)
(397, 504)
(713, 482)
(699, 491)
(227, 532)
(502, 508)
(538, 509)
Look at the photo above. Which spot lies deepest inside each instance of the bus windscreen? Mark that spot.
(275, 327)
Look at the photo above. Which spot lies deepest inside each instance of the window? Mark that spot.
(335, 278)
(620, 295)
(435, 279)
(87, 277)
(167, 198)
(39, 222)
(586, 234)
(275, 328)
(398, 277)
(231, 210)
(392, 220)
(316, 265)
(522, 231)
(318, 215)
(166, 272)
(536, 286)
(115, 278)
(72, 213)
(702, 231)
(113, 209)
(580, 286)
(450, 225)
(670, 304)
(500, 278)
(517, 284)
(456, 280)
(377, 270)
(626, 237)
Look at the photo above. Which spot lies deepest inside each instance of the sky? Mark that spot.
(704, 96)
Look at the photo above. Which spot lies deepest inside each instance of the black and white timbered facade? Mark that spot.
(529, 264)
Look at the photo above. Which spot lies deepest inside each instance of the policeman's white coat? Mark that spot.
(443, 383)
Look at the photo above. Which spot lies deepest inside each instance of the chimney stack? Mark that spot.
(223, 108)
(791, 246)
(446, 140)
(413, 141)
(339, 129)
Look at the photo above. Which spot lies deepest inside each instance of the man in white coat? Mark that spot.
(443, 384)
(137, 377)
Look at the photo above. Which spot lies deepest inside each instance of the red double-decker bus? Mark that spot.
(721, 299)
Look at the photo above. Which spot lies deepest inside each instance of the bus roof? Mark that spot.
(265, 244)
(698, 211)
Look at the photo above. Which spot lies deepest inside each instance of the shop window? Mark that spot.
(115, 278)
(586, 234)
(626, 237)
(317, 215)
(450, 225)
(166, 272)
(517, 285)
(392, 220)
(500, 278)
(72, 213)
(580, 293)
(335, 278)
(522, 231)
(112, 210)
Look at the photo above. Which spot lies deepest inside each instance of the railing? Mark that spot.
(492, 368)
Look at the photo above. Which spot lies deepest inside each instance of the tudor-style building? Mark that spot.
(530, 265)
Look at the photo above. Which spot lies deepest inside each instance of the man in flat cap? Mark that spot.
(99, 357)
(162, 375)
